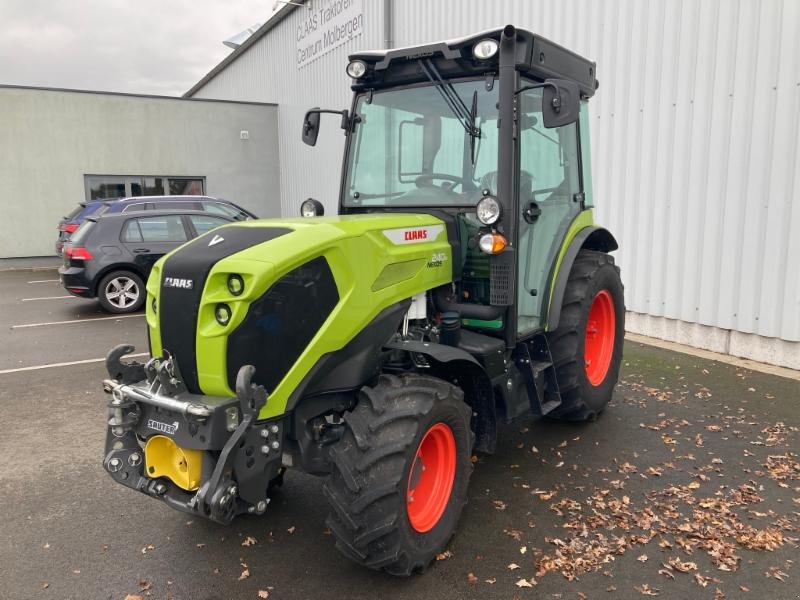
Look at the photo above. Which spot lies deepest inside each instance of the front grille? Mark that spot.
(281, 323)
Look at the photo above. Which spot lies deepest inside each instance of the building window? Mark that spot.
(103, 187)
(184, 186)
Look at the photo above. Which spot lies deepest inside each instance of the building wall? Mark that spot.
(694, 145)
(50, 139)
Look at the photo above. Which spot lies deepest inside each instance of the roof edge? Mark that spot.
(9, 86)
(273, 21)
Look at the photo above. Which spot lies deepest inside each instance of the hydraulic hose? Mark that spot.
(468, 311)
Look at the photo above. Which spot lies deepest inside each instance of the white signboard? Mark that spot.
(328, 25)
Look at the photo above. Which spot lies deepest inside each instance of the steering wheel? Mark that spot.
(426, 180)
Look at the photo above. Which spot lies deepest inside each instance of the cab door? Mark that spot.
(550, 197)
(149, 238)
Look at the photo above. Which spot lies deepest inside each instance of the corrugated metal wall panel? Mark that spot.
(695, 137)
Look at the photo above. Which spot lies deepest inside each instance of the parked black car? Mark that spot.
(215, 206)
(110, 256)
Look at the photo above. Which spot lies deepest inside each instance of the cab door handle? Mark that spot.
(141, 250)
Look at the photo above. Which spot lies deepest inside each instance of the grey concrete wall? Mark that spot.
(50, 139)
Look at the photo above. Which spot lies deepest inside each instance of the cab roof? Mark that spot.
(536, 57)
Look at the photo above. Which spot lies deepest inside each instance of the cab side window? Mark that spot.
(550, 181)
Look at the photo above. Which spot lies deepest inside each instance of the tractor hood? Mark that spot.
(281, 293)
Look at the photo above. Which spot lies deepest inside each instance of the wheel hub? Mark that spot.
(599, 341)
(122, 292)
(431, 477)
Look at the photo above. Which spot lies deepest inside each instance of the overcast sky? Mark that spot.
(140, 46)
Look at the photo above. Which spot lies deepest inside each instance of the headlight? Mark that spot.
(492, 243)
(357, 69)
(235, 285)
(223, 314)
(311, 208)
(488, 210)
(485, 49)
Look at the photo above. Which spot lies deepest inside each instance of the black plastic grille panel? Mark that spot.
(281, 323)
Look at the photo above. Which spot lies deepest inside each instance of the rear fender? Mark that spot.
(462, 370)
(590, 238)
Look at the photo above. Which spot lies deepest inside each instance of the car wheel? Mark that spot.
(121, 292)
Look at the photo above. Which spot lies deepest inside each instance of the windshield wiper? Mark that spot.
(464, 115)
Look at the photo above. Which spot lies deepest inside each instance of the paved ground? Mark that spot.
(687, 487)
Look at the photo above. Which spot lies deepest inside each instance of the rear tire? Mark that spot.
(587, 345)
(121, 292)
(407, 441)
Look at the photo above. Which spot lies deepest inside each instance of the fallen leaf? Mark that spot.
(499, 504)
(524, 583)
(133, 597)
(263, 594)
(642, 558)
(249, 541)
(646, 590)
(513, 566)
(291, 529)
(491, 580)
(444, 555)
(147, 548)
(245, 574)
(471, 579)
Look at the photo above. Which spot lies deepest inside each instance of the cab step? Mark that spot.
(535, 363)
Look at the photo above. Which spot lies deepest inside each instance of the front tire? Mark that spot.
(587, 345)
(400, 473)
(121, 292)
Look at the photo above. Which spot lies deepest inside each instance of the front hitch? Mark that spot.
(152, 396)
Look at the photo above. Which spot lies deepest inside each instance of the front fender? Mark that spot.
(462, 370)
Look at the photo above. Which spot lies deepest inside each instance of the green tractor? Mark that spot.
(463, 284)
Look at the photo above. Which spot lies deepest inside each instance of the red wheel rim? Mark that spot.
(431, 477)
(600, 331)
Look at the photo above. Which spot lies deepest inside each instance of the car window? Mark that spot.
(203, 223)
(176, 204)
(80, 234)
(136, 206)
(218, 208)
(74, 212)
(163, 228)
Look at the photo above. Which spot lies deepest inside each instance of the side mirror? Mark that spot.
(560, 103)
(311, 127)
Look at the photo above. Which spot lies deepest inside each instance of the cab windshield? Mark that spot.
(410, 147)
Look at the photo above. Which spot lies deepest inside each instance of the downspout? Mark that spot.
(388, 11)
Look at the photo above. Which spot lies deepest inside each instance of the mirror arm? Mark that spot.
(347, 122)
(556, 99)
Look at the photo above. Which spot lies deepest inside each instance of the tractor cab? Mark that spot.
(489, 133)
